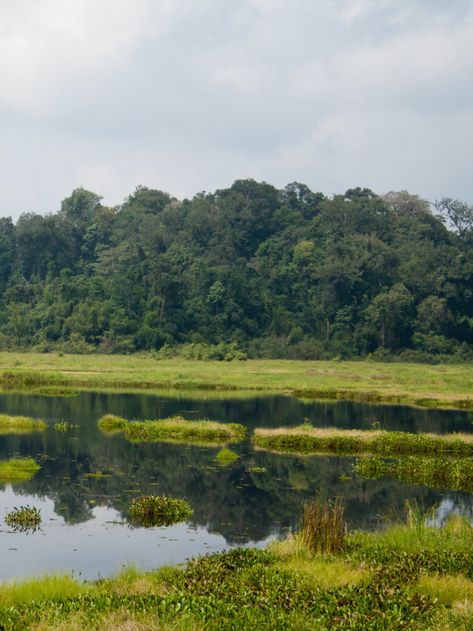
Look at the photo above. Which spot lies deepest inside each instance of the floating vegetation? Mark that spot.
(455, 474)
(24, 518)
(64, 426)
(175, 429)
(256, 469)
(20, 424)
(152, 510)
(226, 457)
(306, 439)
(110, 424)
(56, 391)
(18, 469)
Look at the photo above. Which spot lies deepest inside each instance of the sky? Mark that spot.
(190, 95)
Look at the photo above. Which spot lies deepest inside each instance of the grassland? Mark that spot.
(411, 576)
(174, 430)
(20, 424)
(449, 386)
(308, 440)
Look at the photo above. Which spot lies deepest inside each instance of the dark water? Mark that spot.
(87, 480)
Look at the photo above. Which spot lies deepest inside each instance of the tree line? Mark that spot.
(248, 270)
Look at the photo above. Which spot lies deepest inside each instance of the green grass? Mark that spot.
(175, 430)
(18, 469)
(411, 576)
(414, 384)
(455, 474)
(307, 440)
(151, 510)
(20, 424)
(56, 391)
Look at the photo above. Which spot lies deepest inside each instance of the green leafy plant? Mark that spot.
(151, 510)
(24, 518)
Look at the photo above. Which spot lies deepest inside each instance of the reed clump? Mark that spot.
(18, 469)
(307, 440)
(20, 424)
(449, 472)
(226, 457)
(176, 430)
(323, 526)
(152, 510)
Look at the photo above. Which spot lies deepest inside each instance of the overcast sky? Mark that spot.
(189, 95)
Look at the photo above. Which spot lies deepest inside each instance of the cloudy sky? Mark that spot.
(189, 95)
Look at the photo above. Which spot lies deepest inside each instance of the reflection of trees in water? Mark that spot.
(232, 501)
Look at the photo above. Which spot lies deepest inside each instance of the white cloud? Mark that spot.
(188, 95)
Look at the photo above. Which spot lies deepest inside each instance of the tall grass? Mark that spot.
(323, 526)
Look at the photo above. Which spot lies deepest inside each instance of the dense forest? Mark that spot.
(246, 271)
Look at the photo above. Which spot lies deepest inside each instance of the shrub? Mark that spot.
(150, 510)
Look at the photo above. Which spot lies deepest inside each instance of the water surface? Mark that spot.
(87, 480)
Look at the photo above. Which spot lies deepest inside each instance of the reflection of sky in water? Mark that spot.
(83, 529)
(98, 547)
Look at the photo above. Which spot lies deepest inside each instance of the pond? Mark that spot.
(87, 480)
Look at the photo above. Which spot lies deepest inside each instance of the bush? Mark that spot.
(150, 510)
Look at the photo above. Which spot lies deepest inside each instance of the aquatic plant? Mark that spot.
(18, 469)
(24, 517)
(20, 424)
(449, 472)
(256, 469)
(110, 424)
(175, 429)
(323, 526)
(306, 439)
(226, 457)
(151, 510)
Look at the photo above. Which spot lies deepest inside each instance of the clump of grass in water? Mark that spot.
(151, 510)
(455, 474)
(24, 517)
(20, 424)
(226, 457)
(18, 469)
(311, 440)
(323, 527)
(175, 429)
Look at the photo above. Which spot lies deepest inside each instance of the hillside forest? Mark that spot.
(246, 271)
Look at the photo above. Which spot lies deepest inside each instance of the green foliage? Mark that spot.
(306, 439)
(226, 457)
(24, 517)
(152, 510)
(246, 271)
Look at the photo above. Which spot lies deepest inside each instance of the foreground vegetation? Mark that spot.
(20, 424)
(174, 430)
(414, 384)
(307, 440)
(411, 576)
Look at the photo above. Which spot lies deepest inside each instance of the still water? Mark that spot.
(87, 479)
